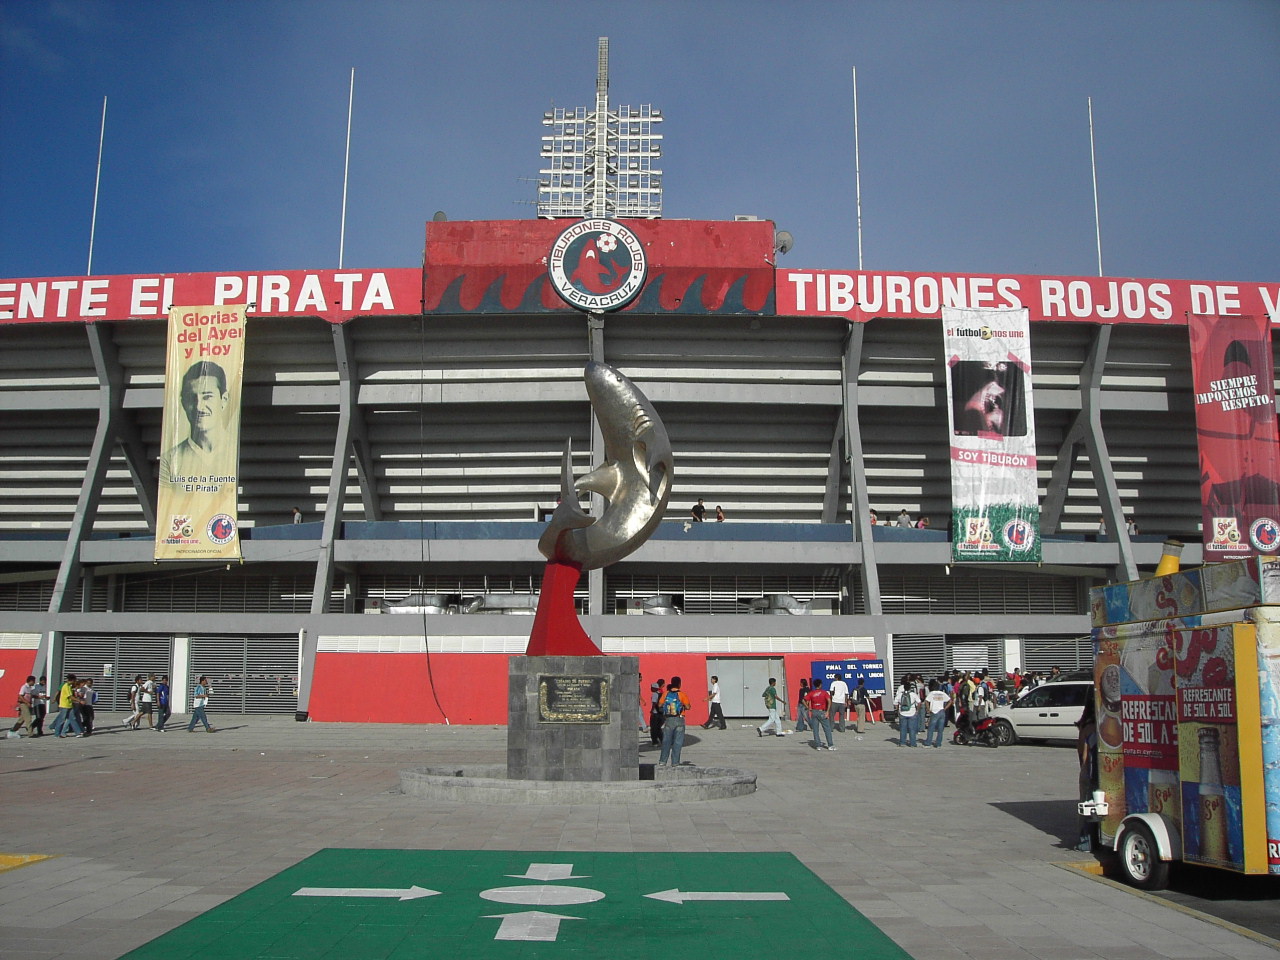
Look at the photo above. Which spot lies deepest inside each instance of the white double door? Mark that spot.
(743, 680)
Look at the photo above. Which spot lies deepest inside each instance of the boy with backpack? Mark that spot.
(674, 704)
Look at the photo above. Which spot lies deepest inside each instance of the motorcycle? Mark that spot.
(982, 732)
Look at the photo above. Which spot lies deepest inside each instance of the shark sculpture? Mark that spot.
(635, 482)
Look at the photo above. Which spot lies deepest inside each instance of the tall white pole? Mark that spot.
(1093, 161)
(346, 169)
(857, 165)
(97, 180)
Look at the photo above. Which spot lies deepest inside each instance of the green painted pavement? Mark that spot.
(347, 905)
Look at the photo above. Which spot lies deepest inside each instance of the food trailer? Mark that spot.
(1187, 687)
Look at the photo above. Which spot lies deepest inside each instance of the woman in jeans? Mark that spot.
(198, 702)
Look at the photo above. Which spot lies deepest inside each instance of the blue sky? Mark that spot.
(226, 124)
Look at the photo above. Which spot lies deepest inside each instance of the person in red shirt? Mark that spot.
(820, 715)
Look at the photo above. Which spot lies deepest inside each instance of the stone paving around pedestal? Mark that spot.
(953, 853)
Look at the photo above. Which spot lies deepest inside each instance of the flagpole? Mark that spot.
(857, 165)
(346, 168)
(1093, 162)
(97, 180)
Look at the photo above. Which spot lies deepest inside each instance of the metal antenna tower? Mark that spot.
(599, 163)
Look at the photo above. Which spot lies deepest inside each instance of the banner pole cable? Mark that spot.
(1093, 163)
(857, 166)
(346, 169)
(97, 181)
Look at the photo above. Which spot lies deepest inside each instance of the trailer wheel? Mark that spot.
(1140, 859)
(1005, 733)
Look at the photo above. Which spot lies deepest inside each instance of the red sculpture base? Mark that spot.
(556, 630)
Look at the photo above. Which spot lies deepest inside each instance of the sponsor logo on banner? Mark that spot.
(181, 530)
(977, 535)
(1264, 534)
(597, 265)
(222, 529)
(200, 434)
(995, 506)
(1226, 532)
(1018, 535)
(1232, 375)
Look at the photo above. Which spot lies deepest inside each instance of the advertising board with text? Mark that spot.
(865, 295)
(995, 507)
(196, 510)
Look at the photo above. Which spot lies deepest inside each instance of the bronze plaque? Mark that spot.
(573, 699)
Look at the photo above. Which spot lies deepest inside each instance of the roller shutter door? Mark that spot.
(88, 656)
(926, 655)
(249, 675)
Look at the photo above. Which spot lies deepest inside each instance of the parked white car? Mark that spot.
(1046, 712)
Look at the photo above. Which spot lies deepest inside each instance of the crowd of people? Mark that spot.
(924, 707)
(73, 706)
(961, 698)
(903, 520)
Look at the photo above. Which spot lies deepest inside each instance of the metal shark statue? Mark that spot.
(635, 482)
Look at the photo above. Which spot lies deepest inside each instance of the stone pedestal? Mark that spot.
(573, 718)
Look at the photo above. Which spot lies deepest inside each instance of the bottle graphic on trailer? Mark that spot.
(1213, 806)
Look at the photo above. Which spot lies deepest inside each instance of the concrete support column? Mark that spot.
(179, 682)
(331, 524)
(110, 403)
(1095, 444)
(851, 364)
(595, 578)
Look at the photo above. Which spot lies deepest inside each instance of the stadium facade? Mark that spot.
(417, 418)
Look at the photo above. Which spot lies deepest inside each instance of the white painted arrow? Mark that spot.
(530, 925)
(677, 896)
(549, 871)
(412, 893)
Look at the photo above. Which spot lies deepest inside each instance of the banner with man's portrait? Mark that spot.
(1233, 376)
(196, 515)
(995, 508)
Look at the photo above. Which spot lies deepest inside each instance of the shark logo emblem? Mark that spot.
(634, 480)
(597, 265)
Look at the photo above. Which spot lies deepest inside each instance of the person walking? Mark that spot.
(715, 715)
(67, 709)
(85, 698)
(674, 704)
(162, 703)
(771, 704)
(937, 702)
(199, 701)
(820, 715)
(135, 703)
(25, 700)
(40, 705)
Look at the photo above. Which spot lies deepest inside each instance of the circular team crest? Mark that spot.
(221, 529)
(1018, 535)
(597, 265)
(1264, 534)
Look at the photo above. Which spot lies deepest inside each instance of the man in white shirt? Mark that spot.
(937, 702)
(715, 714)
(839, 691)
(147, 696)
(908, 704)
